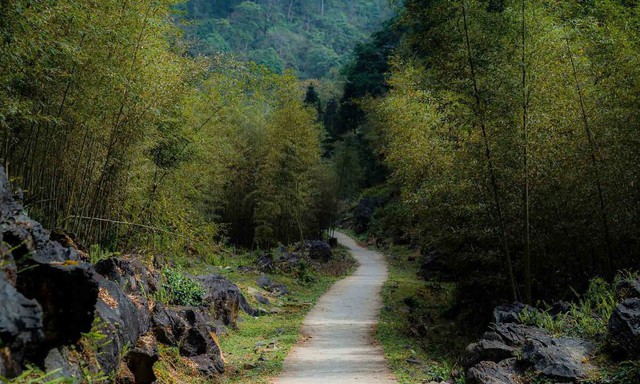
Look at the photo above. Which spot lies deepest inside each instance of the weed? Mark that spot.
(33, 375)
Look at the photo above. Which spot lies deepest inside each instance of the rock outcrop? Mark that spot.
(510, 348)
(50, 302)
(68, 317)
(624, 324)
(225, 299)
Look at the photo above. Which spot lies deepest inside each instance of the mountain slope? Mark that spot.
(314, 38)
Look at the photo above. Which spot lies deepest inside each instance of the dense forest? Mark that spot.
(112, 132)
(314, 38)
(509, 130)
(495, 142)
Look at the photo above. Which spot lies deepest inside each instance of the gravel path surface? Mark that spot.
(340, 346)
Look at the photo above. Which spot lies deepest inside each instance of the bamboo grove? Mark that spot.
(511, 128)
(114, 133)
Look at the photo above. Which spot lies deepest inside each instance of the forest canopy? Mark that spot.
(115, 134)
(510, 128)
(314, 38)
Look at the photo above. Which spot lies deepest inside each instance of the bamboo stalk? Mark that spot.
(489, 158)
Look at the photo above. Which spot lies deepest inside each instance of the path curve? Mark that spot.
(340, 346)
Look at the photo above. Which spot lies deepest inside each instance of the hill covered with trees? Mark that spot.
(314, 38)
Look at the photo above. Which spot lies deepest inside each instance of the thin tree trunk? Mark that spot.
(488, 155)
(593, 149)
(525, 132)
(289, 11)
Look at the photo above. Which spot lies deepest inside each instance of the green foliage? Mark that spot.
(481, 111)
(114, 133)
(33, 375)
(420, 343)
(626, 372)
(98, 253)
(313, 38)
(178, 289)
(587, 318)
(347, 164)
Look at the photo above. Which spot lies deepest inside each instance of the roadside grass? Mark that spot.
(255, 351)
(419, 342)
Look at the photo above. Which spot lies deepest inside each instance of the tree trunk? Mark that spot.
(489, 158)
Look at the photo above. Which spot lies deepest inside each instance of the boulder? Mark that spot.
(488, 350)
(277, 289)
(265, 264)
(559, 308)
(50, 302)
(119, 320)
(628, 289)
(489, 372)
(318, 250)
(289, 262)
(192, 330)
(20, 318)
(501, 342)
(140, 360)
(206, 365)
(556, 358)
(62, 363)
(68, 294)
(624, 327)
(130, 274)
(261, 299)
(564, 359)
(264, 282)
(225, 299)
(510, 313)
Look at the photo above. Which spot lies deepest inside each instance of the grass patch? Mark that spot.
(419, 342)
(255, 351)
(173, 368)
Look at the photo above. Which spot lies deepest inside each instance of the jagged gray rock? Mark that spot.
(508, 348)
(192, 330)
(489, 372)
(563, 359)
(624, 327)
(225, 298)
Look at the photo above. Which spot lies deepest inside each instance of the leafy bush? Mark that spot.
(178, 289)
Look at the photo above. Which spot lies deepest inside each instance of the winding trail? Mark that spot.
(340, 347)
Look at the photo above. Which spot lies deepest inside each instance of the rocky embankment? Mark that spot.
(74, 319)
(511, 352)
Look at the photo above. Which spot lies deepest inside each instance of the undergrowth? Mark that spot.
(419, 342)
(587, 318)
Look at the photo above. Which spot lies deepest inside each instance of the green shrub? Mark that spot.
(178, 289)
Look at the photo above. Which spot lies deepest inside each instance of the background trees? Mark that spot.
(314, 38)
(503, 127)
(114, 133)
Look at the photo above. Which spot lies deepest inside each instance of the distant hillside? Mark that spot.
(313, 37)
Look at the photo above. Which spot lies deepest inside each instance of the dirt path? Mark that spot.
(341, 347)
